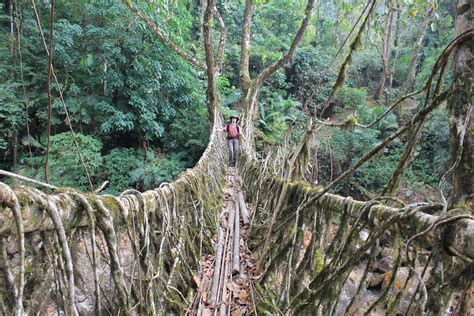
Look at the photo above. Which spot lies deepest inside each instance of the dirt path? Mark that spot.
(225, 284)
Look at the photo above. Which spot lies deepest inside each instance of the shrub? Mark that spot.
(65, 165)
(118, 166)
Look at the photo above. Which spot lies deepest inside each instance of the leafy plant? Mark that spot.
(65, 165)
(117, 168)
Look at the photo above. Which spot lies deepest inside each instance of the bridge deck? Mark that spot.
(225, 281)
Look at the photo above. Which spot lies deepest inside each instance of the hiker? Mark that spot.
(233, 131)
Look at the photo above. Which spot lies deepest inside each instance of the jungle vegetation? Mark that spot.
(139, 110)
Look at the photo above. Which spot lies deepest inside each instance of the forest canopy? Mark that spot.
(139, 110)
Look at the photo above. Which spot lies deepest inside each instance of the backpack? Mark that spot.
(227, 129)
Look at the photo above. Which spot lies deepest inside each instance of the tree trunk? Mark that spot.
(10, 17)
(410, 79)
(460, 110)
(212, 97)
(15, 149)
(245, 46)
(386, 53)
(414, 134)
(396, 46)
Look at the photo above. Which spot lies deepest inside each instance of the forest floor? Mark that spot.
(225, 282)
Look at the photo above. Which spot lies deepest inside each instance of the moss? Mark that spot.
(463, 207)
(349, 123)
(265, 306)
(28, 266)
(177, 302)
(66, 190)
(110, 203)
(318, 261)
(62, 203)
(24, 200)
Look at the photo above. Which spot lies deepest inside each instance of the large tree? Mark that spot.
(250, 86)
(460, 109)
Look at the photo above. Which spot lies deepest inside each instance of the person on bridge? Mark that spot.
(233, 131)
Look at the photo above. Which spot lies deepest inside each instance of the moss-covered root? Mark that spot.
(105, 223)
(92, 224)
(9, 200)
(53, 213)
(9, 297)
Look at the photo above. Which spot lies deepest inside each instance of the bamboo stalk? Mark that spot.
(217, 267)
(224, 303)
(243, 208)
(236, 257)
(224, 266)
(231, 221)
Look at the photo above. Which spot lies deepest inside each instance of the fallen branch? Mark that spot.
(244, 212)
(217, 268)
(236, 256)
(26, 179)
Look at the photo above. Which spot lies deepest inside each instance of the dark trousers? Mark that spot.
(233, 145)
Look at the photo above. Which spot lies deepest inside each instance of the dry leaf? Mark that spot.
(206, 312)
(233, 287)
(243, 296)
(236, 312)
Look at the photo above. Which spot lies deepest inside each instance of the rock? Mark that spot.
(364, 234)
(386, 252)
(400, 279)
(349, 288)
(376, 280)
(384, 265)
(12, 246)
(36, 243)
(84, 306)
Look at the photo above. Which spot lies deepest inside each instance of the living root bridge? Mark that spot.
(324, 255)
(149, 243)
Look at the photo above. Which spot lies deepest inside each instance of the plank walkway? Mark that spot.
(225, 283)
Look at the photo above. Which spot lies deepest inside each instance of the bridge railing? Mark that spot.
(146, 245)
(323, 256)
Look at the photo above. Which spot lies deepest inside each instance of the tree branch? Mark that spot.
(440, 62)
(267, 72)
(178, 50)
(210, 64)
(25, 179)
(222, 40)
(418, 117)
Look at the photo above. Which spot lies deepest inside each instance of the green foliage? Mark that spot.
(156, 170)
(65, 166)
(276, 114)
(432, 155)
(352, 98)
(350, 146)
(122, 86)
(117, 168)
(188, 134)
(307, 73)
(11, 114)
(127, 90)
(365, 69)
